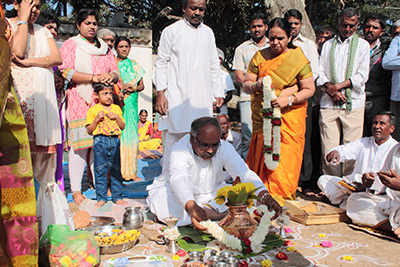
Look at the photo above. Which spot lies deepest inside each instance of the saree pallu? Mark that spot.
(131, 73)
(285, 71)
(145, 132)
(18, 222)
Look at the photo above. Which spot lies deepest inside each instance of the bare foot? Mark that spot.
(121, 202)
(100, 203)
(137, 179)
(397, 232)
(109, 192)
(78, 197)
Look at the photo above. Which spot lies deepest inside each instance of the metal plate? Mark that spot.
(112, 249)
(100, 221)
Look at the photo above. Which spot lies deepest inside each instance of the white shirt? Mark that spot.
(243, 55)
(393, 161)
(368, 155)
(226, 81)
(309, 49)
(358, 77)
(193, 178)
(187, 67)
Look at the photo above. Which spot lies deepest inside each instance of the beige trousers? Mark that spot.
(336, 125)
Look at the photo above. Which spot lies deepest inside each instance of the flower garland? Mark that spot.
(253, 243)
(272, 121)
(172, 233)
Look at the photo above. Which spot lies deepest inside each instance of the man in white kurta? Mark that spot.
(341, 67)
(196, 173)
(369, 154)
(187, 75)
(380, 211)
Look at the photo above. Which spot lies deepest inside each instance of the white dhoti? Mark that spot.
(164, 203)
(335, 192)
(372, 210)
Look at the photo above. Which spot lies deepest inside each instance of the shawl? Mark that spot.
(83, 63)
(349, 69)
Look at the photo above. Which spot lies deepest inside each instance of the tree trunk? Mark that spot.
(277, 8)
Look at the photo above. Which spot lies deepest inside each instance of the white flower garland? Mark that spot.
(233, 242)
(271, 126)
(172, 233)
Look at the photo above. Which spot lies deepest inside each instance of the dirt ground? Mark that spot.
(364, 249)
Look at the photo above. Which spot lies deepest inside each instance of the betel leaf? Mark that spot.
(190, 232)
(242, 196)
(232, 197)
(253, 191)
(189, 246)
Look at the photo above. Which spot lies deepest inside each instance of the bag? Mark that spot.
(52, 207)
(62, 247)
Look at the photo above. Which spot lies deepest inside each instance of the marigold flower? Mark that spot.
(266, 263)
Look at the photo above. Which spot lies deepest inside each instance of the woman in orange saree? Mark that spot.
(292, 83)
(18, 222)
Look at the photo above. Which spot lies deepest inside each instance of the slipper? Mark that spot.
(375, 232)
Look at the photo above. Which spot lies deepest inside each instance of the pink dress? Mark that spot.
(77, 107)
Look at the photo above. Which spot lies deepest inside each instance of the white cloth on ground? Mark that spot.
(368, 156)
(187, 68)
(192, 178)
(358, 77)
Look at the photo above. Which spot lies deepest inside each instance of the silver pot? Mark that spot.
(133, 217)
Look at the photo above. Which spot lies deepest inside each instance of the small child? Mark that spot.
(105, 122)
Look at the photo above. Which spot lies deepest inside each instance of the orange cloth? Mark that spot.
(285, 71)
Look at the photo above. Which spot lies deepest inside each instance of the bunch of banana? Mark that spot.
(117, 237)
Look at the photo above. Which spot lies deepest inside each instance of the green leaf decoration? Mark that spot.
(190, 232)
(188, 246)
(242, 196)
(232, 197)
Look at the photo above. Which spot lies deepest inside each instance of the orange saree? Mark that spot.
(285, 71)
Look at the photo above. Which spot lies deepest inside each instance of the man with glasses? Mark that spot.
(195, 175)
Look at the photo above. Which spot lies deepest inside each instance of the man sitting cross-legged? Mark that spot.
(195, 175)
(381, 211)
(369, 153)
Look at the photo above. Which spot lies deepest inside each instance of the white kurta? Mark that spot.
(359, 75)
(187, 67)
(368, 156)
(371, 210)
(192, 178)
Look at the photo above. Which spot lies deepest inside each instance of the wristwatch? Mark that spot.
(290, 102)
(19, 22)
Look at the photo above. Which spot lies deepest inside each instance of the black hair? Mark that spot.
(375, 16)
(259, 15)
(197, 124)
(142, 110)
(293, 13)
(97, 87)
(284, 25)
(83, 14)
(120, 39)
(47, 17)
(392, 117)
(350, 12)
(322, 29)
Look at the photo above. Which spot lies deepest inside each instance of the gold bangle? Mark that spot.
(134, 88)
(47, 62)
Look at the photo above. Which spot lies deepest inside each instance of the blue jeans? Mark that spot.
(107, 158)
(247, 126)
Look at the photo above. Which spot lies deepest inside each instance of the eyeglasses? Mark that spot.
(204, 146)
